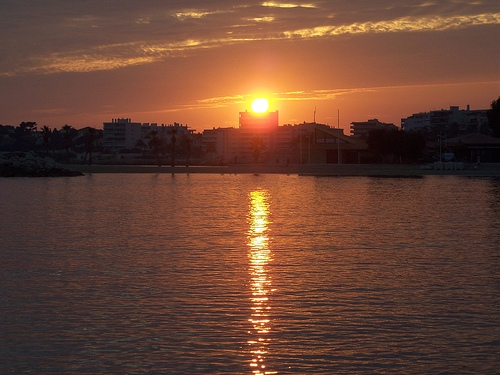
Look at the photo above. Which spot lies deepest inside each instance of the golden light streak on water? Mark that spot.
(259, 256)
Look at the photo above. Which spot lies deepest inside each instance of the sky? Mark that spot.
(200, 63)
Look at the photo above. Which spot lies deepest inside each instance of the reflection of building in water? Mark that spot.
(259, 256)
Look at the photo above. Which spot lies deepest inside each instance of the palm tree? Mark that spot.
(24, 136)
(173, 140)
(257, 147)
(141, 145)
(46, 137)
(88, 149)
(155, 145)
(211, 148)
(67, 138)
(188, 149)
(494, 117)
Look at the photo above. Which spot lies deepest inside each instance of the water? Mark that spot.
(248, 274)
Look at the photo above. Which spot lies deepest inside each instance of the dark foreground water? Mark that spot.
(246, 274)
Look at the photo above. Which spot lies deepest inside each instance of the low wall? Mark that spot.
(389, 170)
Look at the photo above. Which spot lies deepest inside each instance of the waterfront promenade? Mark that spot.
(379, 170)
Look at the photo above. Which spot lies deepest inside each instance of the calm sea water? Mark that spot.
(249, 274)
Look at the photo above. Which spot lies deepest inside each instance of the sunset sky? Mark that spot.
(201, 62)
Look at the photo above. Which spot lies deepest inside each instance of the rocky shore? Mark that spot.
(27, 164)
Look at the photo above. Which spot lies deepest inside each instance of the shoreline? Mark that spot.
(346, 170)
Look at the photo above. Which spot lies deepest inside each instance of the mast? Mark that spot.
(338, 136)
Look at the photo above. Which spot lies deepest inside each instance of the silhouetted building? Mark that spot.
(448, 123)
(475, 148)
(218, 144)
(260, 122)
(322, 144)
(121, 133)
(362, 129)
(255, 139)
(306, 143)
(416, 121)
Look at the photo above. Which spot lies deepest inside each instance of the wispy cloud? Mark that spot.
(106, 57)
(192, 14)
(119, 55)
(311, 95)
(263, 19)
(222, 101)
(405, 24)
(427, 4)
(273, 4)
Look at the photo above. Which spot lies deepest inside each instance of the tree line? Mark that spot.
(61, 145)
(385, 145)
(396, 145)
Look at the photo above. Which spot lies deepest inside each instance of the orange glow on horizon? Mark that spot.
(299, 56)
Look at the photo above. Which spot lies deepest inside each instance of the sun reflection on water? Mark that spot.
(259, 256)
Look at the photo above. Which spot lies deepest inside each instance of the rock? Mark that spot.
(20, 164)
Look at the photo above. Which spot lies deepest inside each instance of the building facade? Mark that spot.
(451, 122)
(256, 136)
(253, 141)
(306, 143)
(218, 145)
(121, 133)
(361, 130)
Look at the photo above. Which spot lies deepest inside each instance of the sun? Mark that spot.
(260, 105)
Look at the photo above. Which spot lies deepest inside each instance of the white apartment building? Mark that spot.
(464, 120)
(121, 133)
(416, 121)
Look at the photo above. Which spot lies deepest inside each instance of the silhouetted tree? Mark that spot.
(173, 140)
(67, 139)
(157, 145)
(57, 140)
(23, 134)
(378, 140)
(211, 149)
(141, 145)
(257, 147)
(46, 137)
(28, 126)
(414, 145)
(494, 117)
(185, 143)
(89, 146)
(398, 144)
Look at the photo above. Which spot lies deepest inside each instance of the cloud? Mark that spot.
(263, 19)
(273, 4)
(312, 95)
(222, 101)
(85, 42)
(406, 24)
(105, 57)
(193, 14)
